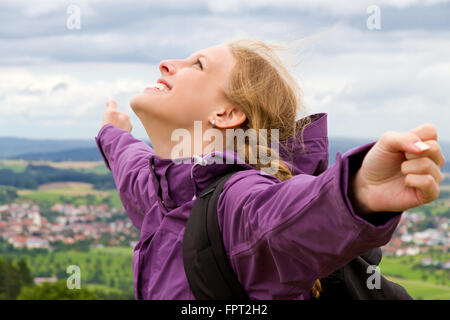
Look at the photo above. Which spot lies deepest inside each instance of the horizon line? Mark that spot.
(147, 139)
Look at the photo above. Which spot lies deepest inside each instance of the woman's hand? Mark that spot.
(395, 175)
(116, 118)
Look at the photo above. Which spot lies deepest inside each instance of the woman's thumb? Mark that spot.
(403, 142)
(110, 103)
(421, 146)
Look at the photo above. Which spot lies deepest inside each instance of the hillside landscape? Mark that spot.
(86, 150)
(57, 213)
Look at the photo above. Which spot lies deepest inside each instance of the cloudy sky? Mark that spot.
(370, 75)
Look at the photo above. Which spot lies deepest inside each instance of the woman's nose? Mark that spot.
(166, 67)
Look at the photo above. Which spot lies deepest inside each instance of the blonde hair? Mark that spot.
(261, 86)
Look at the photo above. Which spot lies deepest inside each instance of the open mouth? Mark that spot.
(158, 87)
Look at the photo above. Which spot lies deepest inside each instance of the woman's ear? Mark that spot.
(229, 117)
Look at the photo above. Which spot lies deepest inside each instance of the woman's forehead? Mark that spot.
(220, 62)
(219, 55)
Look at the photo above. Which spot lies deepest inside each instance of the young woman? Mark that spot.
(283, 231)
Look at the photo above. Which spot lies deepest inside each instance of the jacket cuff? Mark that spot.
(98, 139)
(351, 162)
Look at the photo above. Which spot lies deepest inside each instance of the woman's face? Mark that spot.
(197, 86)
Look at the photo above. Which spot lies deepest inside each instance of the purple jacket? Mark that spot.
(279, 236)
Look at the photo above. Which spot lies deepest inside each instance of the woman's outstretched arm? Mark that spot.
(282, 236)
(128, 160)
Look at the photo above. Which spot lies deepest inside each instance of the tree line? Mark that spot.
(35, 175)
(16, 283)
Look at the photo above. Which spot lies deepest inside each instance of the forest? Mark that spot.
(35, 175)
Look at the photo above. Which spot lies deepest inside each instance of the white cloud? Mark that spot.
(372, 85)
(43, 102)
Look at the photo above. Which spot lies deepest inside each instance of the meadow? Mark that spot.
(421, 282)
(77, 193)
(421, 290)
(97, 167)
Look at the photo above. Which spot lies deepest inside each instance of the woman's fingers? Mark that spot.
(426, 131)
(393, 142)
(434, 153)
(112, 116)
(424, 174)
(422, 166)
(426, 185)
(110, 103)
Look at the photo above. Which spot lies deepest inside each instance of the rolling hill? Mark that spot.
(86, 150)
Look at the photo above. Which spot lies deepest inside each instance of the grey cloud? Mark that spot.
(150, 32)
(31, 92)
(60, 86)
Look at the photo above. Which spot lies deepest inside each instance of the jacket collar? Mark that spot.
(180, 180)
(313, 159)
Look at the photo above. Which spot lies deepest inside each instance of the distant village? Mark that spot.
(22, 225)
(409, 240)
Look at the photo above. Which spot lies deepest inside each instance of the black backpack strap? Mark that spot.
(206, 263)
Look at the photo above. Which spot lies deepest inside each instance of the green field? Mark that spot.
(76, 196)
(421, 283)
(421, 290)
(82, 166)
(16, 168)
(100, 169)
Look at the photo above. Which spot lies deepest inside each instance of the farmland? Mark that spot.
(97, 167)
(420, 281)
(71, 192)
(421, 290)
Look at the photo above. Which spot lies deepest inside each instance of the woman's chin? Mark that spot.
(145, 105)
(140, 102)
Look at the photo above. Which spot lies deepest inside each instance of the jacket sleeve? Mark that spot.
(128, 160)
(282, 236)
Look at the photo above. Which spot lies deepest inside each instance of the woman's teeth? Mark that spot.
(161, 87)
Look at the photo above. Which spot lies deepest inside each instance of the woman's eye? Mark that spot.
(199, 63)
